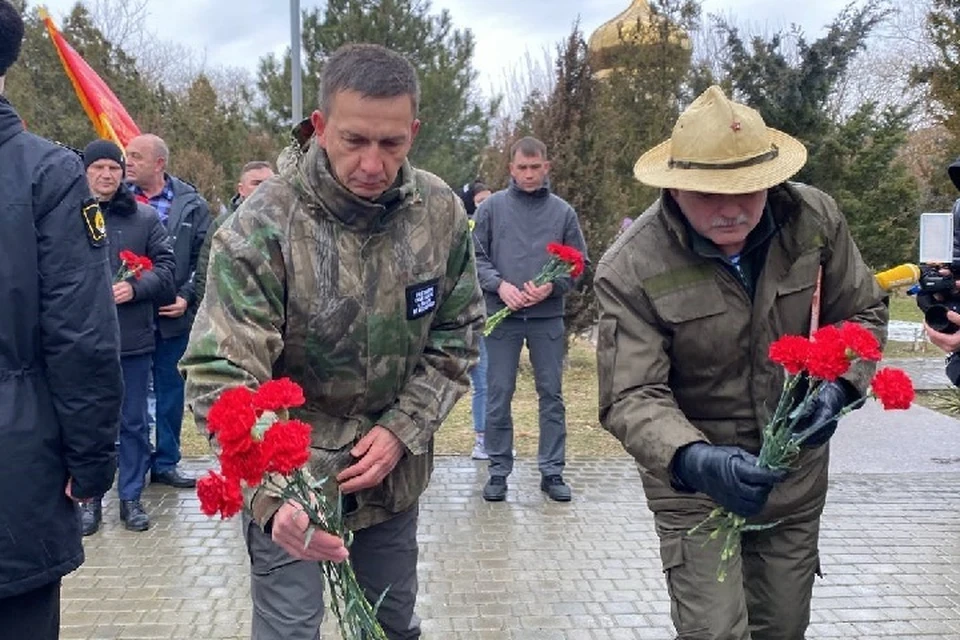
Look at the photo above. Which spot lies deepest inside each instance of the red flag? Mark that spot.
(105, 111)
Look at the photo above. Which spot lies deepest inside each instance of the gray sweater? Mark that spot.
(511, 234)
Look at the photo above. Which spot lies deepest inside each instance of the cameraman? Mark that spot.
(950, 342)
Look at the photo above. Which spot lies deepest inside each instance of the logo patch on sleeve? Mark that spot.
(422, 298)
(94, 222)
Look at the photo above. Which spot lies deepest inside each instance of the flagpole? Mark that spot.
(295, 46)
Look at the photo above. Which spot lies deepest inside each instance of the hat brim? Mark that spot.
(653, 168)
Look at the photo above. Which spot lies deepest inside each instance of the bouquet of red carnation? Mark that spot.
(564, 261)
(261, 447)
(132, 265)
(823, 357)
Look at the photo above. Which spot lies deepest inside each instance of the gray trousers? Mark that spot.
(288, 593)
(544, 338)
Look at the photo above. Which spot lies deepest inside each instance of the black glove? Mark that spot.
(820, 414)
(729, 475)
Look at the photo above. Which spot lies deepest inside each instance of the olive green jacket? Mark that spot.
(683, 350)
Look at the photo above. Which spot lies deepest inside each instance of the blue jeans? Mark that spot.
(168, 387)
(134, 454)
(478, 381)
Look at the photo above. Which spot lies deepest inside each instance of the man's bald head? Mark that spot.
(147, 159)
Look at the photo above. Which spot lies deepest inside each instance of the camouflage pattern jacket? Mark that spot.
(373, 307)
(682, 353)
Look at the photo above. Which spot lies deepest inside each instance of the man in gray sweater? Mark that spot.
(513, 228)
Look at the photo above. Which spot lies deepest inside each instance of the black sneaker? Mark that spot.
(496, 489)
(133, 516)
(554, 487)
(91, 515)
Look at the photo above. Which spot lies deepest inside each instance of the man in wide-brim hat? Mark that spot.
(730, 258)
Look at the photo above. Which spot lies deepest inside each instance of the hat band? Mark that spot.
(740, 164)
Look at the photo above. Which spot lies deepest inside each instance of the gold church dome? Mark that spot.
(636, 25)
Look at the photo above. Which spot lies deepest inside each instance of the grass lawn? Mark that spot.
(904, 308)
(584, 435)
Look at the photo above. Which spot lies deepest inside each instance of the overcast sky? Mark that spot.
(239, 32)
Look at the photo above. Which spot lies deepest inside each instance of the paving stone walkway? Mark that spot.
(530, 569)
(927, 374)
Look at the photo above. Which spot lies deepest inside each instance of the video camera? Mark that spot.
(939, 271)
(935, 277)
(937, 293)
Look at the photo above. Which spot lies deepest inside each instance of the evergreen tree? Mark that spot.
(854, 159)
(941, 78)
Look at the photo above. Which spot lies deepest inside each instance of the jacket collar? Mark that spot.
(10, 122)
(310, 175)
(784, 205)
(122, 203)
(542, 192)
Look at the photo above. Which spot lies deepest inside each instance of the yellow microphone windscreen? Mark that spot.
(900, 276)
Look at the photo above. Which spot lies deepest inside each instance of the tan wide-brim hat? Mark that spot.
(720, 146)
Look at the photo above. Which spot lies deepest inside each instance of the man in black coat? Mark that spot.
(135, 228)
(60, 383)
(186, 216)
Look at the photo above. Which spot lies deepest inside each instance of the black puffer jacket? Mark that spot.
(60, 382)
(135, 227)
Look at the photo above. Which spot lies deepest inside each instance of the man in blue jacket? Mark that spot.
(60, 385)
(186, 216)
(512, 231)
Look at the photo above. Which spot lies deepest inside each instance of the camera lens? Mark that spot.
(936, 317)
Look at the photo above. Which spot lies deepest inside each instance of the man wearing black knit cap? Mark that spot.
(60, 381)
(132, 227)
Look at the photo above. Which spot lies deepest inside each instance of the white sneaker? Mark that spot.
(478, 452)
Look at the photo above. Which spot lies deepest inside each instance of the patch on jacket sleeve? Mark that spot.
(422, 298)
(94, 222)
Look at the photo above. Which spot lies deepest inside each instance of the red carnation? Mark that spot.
(893, 388)
(132, 265)
(288, 446)
(218, 494)
(860, 341)
(791, 352)
(278, 394)
(232, 418)
(247, 464)
(828, 354)
(568, 254)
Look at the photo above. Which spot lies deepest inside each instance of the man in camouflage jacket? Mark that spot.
(352, 273)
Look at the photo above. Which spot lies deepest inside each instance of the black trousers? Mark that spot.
(34, 615)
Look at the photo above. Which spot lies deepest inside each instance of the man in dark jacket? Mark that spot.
(473, 194)
(131, 227)
(186, 216)
(950, 342)
(252, 174)
(731, 257)
(60, 384)
(512, 231)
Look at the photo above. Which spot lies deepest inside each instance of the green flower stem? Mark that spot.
(356, 616)
(554, 269)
